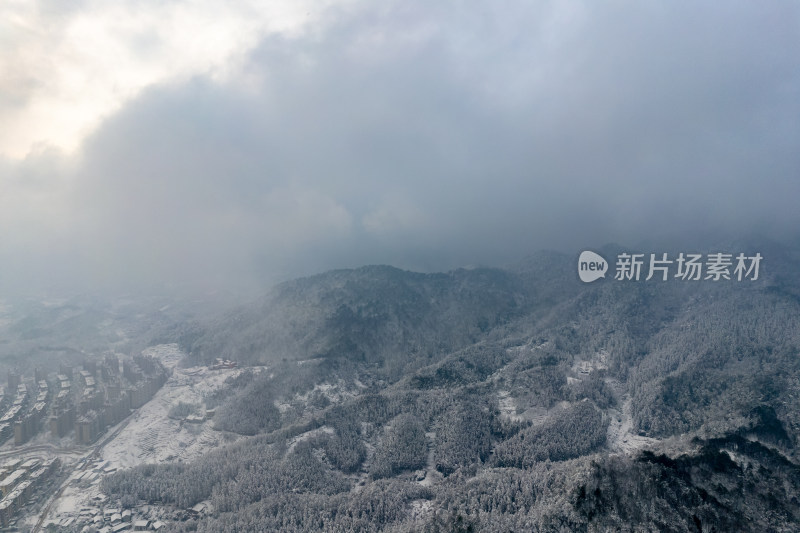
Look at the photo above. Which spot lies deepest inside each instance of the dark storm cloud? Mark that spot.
(430, 136)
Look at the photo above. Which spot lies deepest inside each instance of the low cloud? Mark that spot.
(428, 136)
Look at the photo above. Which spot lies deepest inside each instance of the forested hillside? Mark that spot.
(371, 315)
(500, 400)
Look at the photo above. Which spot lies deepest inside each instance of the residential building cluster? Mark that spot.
(19, 480)
(84, 401)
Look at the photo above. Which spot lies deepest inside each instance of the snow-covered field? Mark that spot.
(150, 436)
(153, 437)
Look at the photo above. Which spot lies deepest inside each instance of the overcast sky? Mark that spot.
(198, 141)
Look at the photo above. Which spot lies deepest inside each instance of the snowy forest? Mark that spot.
(497, 400)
